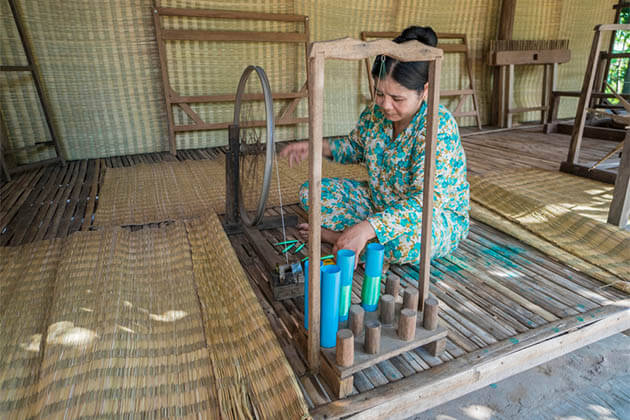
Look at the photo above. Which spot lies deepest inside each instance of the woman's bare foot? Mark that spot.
(328, 236)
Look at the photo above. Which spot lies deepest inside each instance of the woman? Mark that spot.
(390, 140)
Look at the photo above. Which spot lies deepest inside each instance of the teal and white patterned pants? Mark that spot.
(346, 202)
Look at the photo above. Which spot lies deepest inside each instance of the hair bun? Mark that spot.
(424, 34)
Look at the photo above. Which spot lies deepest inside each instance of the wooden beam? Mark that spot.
(16, 68)
(430, 144)
(353, 49)
(251, 36)
(230, 97)
(172, 146)
(229, 14)
(37, 81)
(504, 58)
(316, 121)
(586, 172)
(620, 205)
(220, 126)
(475, 370)
(505, 31)
(506, 19)
(585, 98)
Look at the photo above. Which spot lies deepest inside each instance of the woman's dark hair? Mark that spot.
(411, 74)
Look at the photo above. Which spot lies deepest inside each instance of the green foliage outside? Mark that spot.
(618, 76)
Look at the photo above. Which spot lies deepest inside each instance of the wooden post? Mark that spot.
(165, 82)
(585, 98)
(620, 205)
(345, 348)
(509, 96)
(316, 106)
(387, 308)
(430, 317)
(407, 324)
(506, 29)
(232, 176)
(392, 287)
(433, 102)
(356, 317)
(372, 343)
(410, 298)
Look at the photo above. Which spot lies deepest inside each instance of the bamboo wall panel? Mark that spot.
(100, 67)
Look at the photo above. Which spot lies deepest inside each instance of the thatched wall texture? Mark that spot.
(101, 72)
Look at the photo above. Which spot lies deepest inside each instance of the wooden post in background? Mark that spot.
(506, 29)
(433, 102)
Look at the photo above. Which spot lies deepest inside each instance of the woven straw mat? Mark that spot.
(254, 379)
(180, 190)
(559, 214)
(27, 279)
(109, 324)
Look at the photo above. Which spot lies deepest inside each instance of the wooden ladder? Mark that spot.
(4, 136)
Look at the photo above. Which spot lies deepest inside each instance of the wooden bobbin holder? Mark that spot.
(389, 336)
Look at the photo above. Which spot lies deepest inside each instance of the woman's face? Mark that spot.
(398, 103)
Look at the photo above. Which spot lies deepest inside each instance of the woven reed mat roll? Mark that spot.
(254, 379)
(125, 336)
(27, 278)
(559, 218)
(179, 190)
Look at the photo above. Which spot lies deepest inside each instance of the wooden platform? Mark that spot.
(506, 306)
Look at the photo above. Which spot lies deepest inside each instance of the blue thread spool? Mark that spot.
(321, 263)
(331, 280)
(371, 290)
(345, 261)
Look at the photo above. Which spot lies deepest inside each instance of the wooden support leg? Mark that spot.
(501, 105)
(509, 93)
(620, 205)
(341, 387)
(437, 347)
(550, 125)
(585, 98)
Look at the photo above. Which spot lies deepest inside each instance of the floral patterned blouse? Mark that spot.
(396, 174)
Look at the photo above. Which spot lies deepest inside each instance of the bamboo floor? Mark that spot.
(498, 297)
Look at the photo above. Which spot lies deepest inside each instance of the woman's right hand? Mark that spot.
(295, 152)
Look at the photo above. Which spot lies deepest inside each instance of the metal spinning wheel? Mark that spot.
(255, 149)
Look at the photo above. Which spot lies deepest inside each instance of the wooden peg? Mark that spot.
(430, 318)
(387, 307)
(407, 324)
(356, 317)
(392, 287)
(410, 298)
(372, 343)
(345, 348)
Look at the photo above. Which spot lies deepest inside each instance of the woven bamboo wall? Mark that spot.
(101, 71)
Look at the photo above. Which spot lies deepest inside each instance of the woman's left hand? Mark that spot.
(355, 238)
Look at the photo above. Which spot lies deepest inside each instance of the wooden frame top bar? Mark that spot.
(354, 49)
(229, 14)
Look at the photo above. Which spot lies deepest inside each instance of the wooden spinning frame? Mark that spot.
(352, 49)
